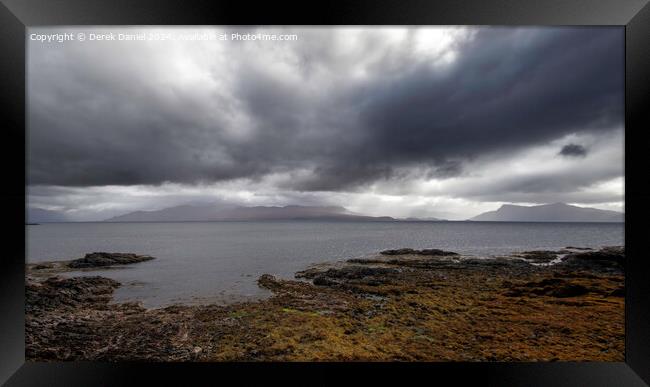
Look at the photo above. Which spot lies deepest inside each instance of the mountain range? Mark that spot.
(206, 213)
(556, 212)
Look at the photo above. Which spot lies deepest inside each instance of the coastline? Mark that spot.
(403, 305)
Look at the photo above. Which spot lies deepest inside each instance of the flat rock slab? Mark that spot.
(99, 259)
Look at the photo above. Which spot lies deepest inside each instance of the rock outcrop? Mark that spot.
(434, 252)
(68, 293)
(607, 259)
(99, 259)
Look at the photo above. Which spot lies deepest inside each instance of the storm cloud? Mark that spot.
(340, 110)
(573, 150)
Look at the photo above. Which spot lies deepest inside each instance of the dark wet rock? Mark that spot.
(436, 252)
(404, 260)
(349, 276)
(99, 259)
(358, 272)
(322, 280)
(398, 252)
(437, 263)
(540, 256)
(607, 259)
(347, 272)
(578, 248)
(268, 281)
(478, 264)
(407, 251)
(66, 293)
(43, 266)
(492, 263)
(366, 261)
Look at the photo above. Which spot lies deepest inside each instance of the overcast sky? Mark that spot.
(446, 122)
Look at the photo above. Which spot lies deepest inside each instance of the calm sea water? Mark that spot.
(221, 261)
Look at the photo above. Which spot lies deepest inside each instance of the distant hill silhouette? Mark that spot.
(208, 213)
(557, 212)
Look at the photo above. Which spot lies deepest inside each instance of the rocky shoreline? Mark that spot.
(404, 304)
(90, 261)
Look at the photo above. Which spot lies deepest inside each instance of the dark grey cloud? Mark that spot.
(501, 94)
(573, 150)
(99, 115)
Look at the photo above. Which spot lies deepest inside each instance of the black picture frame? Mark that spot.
(634, 15)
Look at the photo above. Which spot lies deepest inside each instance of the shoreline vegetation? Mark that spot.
(403, 304)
